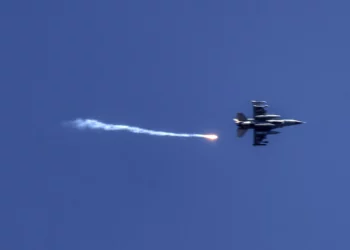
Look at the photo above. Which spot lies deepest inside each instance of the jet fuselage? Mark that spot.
(266, 124)
(262, 123)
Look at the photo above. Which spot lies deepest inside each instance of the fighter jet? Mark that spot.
(262, 123)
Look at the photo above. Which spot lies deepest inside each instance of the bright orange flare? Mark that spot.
(211, 137)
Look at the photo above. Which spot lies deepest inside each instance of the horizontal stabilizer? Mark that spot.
(241, 117)
(241, 132)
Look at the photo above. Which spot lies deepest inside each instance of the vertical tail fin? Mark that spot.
(241, 117)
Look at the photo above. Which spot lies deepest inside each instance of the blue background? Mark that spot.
(179, 66)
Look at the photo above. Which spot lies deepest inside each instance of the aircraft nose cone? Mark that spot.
(300, 122)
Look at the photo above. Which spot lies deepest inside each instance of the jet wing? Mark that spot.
(260, 138)
(259, 108)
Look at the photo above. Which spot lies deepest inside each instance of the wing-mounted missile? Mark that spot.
(258, 102)
(261, 104)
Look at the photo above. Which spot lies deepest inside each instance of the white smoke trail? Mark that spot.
(94, 124)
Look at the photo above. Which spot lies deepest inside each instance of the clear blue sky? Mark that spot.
(180, 66)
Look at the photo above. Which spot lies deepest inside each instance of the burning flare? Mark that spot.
(211, 137)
